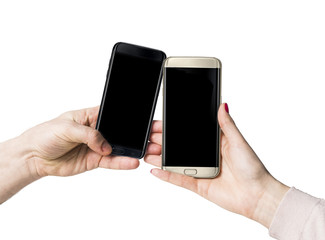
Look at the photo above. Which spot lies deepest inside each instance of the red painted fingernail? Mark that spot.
(226, 108)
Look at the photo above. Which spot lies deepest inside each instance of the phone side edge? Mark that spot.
(106, 85)
(154, 105)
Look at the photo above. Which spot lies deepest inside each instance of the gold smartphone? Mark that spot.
(191, 99)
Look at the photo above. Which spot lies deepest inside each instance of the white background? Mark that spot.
(54, 57)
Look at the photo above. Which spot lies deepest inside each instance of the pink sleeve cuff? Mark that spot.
(292, 214)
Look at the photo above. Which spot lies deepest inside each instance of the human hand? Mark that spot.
(64, 146)
(244, 186)
(69, 145)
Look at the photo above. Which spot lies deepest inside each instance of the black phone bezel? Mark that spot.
(138, 51)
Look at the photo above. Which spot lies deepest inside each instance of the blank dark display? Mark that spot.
(190, 115)
(130, 96)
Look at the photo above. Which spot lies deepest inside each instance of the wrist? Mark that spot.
(269, 202)
(16, 167)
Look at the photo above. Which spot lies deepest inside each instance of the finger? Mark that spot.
(86, 116)
(92, 116)
(118, 162)
(227, 125)
(157, 126)
(156, 138)
(177, 179)
(153, 160)
(92, 138)
(93, 110)
(154, 149)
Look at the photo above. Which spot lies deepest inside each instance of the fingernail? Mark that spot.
(226, 108)
(106, 147)
(153, 171)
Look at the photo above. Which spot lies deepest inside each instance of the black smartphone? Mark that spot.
(130, 95)
(191, 133)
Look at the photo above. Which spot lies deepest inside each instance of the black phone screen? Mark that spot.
(129, 100)
(191, 129)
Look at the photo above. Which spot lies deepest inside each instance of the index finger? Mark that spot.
(177, 179)
(86, 116)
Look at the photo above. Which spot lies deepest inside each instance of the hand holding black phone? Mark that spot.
(129, 99)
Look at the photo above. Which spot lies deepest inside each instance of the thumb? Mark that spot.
(91, 137)
(227, 124)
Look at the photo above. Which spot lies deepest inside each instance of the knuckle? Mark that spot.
(66, 115)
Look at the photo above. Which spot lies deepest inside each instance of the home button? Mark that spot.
(190, 172)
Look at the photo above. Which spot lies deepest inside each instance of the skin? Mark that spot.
(244, 186)
(65, 146)
(69, 145)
